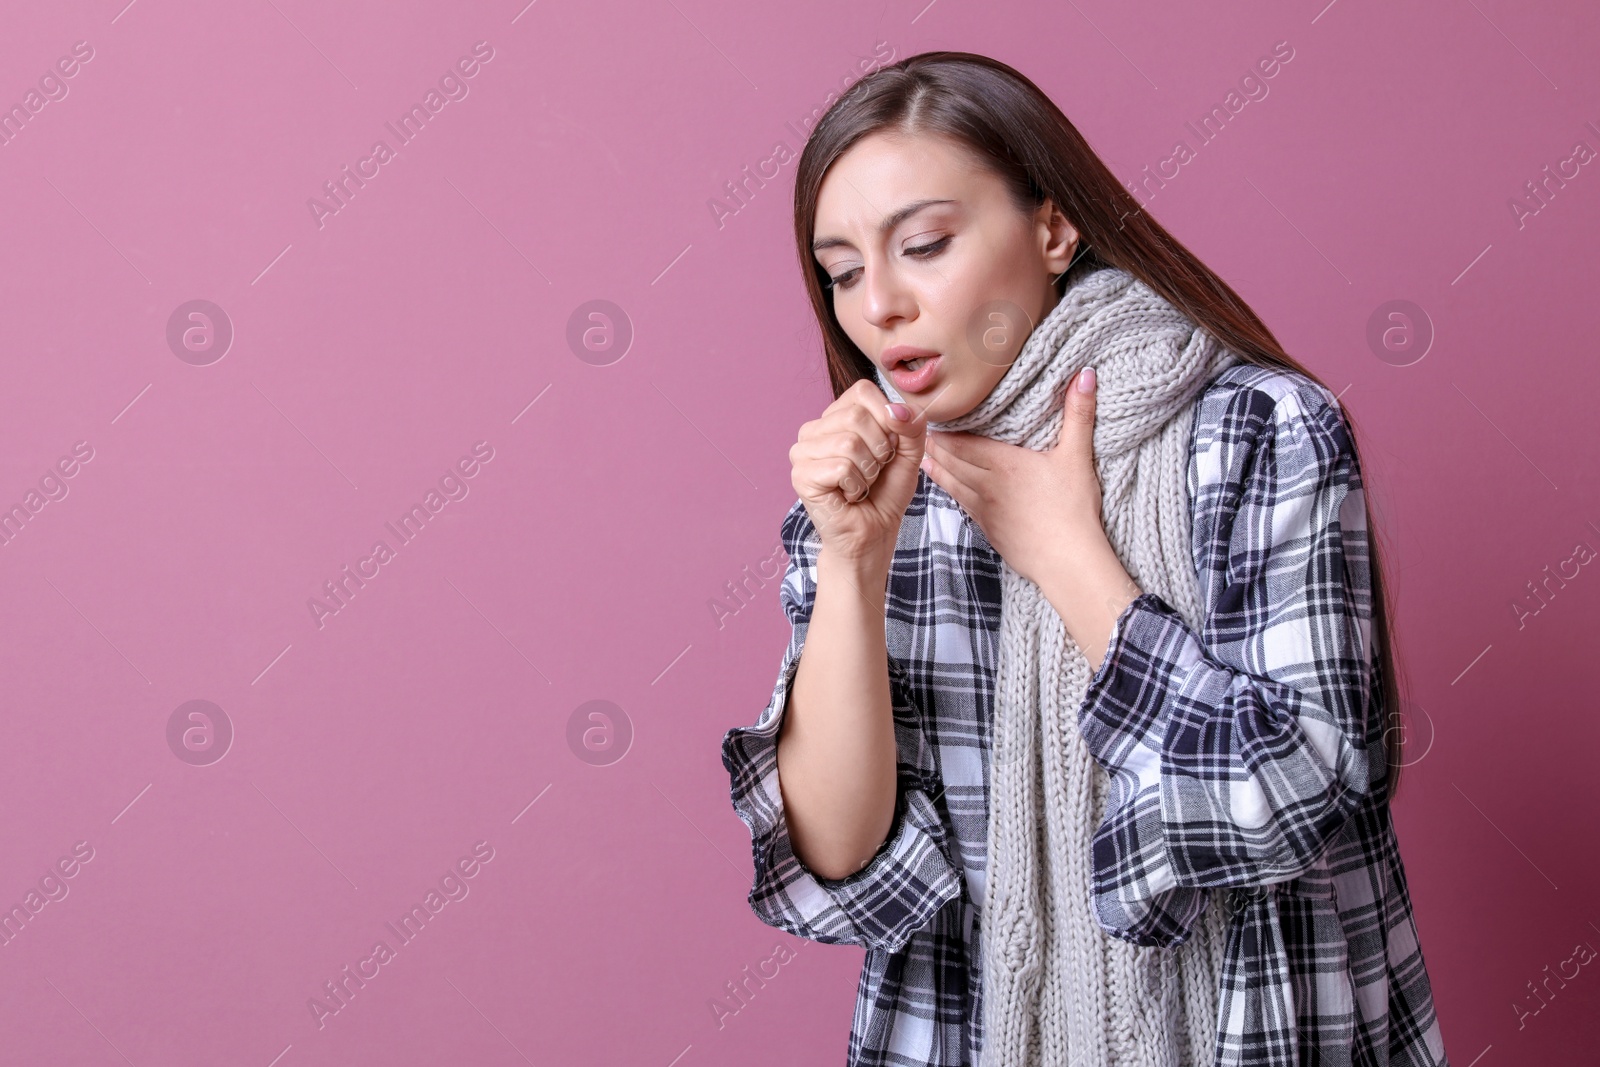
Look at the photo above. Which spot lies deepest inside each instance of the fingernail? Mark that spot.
(899, 412)
(1086, 380)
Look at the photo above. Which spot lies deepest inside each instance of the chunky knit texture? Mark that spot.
(1058, 991)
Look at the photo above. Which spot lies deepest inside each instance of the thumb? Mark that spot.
(1077, 416)
(911, 431)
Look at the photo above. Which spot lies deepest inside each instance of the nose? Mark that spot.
(885, 299)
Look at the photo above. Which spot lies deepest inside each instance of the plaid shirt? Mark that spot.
(1248, 757)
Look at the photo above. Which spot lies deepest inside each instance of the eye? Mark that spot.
(840, 282)
(847, 280)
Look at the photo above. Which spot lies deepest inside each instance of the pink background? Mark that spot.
(432, 711)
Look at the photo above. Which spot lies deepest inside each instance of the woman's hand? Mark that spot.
(1041, 512)
(855, 469)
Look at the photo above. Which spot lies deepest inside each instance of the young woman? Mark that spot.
(1094, 733)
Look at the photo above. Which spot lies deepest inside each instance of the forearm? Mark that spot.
(1089, 587)
(836, 749)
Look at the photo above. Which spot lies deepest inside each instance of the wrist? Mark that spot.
(1089, 588)
(867, 571)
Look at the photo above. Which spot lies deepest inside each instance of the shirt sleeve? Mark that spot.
(1237, 753)
(910, 878)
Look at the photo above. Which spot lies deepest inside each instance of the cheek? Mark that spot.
(988, 328)
(855, 329)
(982, 378)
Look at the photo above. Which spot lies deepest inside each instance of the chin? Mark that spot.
(949, 407)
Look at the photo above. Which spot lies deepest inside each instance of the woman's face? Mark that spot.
(929, 254)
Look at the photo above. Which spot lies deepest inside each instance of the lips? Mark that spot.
(908, 380)
(911, 379)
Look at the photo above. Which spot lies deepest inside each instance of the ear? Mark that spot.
(1061, 238)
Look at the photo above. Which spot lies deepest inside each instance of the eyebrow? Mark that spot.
(888, 224)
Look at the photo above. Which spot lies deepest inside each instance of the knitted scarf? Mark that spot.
(1058, 991)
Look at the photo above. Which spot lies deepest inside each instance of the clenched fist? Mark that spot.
(855, 470)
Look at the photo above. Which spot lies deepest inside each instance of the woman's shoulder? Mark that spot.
(1249, 408)
(1249, 396)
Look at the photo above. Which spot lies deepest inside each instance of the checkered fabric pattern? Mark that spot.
(1247, 756)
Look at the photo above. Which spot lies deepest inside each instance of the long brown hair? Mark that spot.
(1024, 137)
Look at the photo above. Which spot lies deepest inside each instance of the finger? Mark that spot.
(868, 418)
(840, 473)
(845, 444)
(969, 456)
(1077, 416)
(822, 471)
(949, 482)
(863, 396)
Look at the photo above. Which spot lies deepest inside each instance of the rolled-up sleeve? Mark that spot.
(1238, 752)
(910, 878)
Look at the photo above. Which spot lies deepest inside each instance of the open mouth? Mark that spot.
(916, 374)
